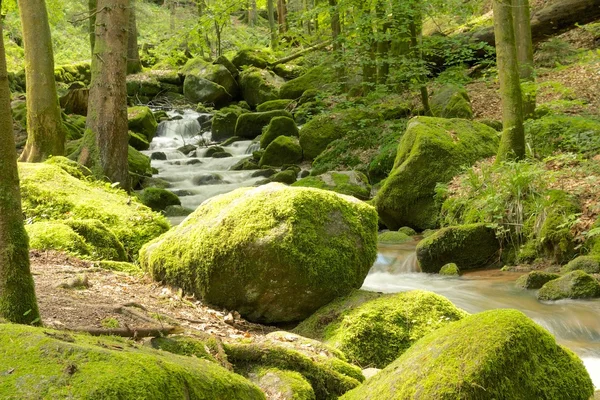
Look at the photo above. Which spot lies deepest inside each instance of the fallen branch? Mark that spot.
(136, 333)
(300, 53)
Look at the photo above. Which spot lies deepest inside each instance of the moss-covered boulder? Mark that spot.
(450, 269)
(49, 364)
(142, 121)
(56, 236)
(224, 61)
(393, 237)
(288, 176)
(499, 354)
(431, 151)
(251, 125)
(259, 86)
(223, 123)
(589, 264)
(139, 166)
(273, 253)
(574, 285)
(319, 132)
(279, 126)
(556, 241)
(451, 101)
(376, 332)
(274, 105)
(103, 243)
(324, 368)
(407, 230)
(201, 90)
(535, 279)
(284, 150)
(565, 133)
(51, 194)
(289, 71)
(468, 246)
(258, 58)
(138, 141)
(352, 183)
(319, 78)
(280, 384)
(158, 199)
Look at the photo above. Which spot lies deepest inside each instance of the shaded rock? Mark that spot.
(223, 123)
(201, 90)
(251, 125)
(142, 121)
(138, 141)
(283, 150)
(207, 179)
(279, 126)
(158, 155)
(259, 86)
(288, 177)
(272, 105)
(451, 101)
(158, 199)
(535, 279)
(252, 57)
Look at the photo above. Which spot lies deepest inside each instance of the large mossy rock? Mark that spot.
(564, 133)
(319, 132)
(281, 151)
(201, 90)
(319, 78)
(223, 122)
(451, 101)
(279, 126)
(324, 368)
(352, 183)
(589, 264)
(51, 194)
(273, 253)
(376, 332)
(219, 74)
(251, 57)
(468, 246)
(499, 354)
(431, 151)
(275, 105)
(49, 364)
(251, 125)
(574, 285)
(142, 121)
(259, 86)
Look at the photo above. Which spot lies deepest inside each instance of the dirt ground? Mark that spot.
(104, 300)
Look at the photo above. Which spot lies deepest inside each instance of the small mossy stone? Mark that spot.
(279, 126)
(244, 165)
(352, 183)
(56, 236)
(392, 237)
(587, 264)
(281, 384)
(470, 246)
(251, 57)
(535, 279)
(158, 199)
(407, 230)
(273, 253)
(272, 105)
(511, 358)
(320, 78)
(574, 285)
(288, 177)
(431, 151)
(450, 269)
(50, 364)
(451, 101)
(250, 125)
(142, 121)
(283, 150)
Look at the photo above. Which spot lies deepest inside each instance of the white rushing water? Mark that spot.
(194, 177)
(574, 323)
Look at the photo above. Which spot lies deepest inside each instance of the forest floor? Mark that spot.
(76, 295)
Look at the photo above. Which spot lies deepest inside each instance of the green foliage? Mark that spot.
(562, 133)
(553, 52)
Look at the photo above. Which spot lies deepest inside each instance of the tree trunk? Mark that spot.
(521, 22)
(512, 144)
(92, 7)
(134, 65)
(253, 17)
(336, 30)
(104, 146)
(416, 29)
(18, 303)
(45, 132)
(271, 11)
(282, 16)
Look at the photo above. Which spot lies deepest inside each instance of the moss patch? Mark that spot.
(281, 151)
(588, 264)
(535, 279)
(142, 121)
(56, 236)
(554, 133)
(352, 183)
(392, 237)
(450, 269)
(574, 285)
(279, 126)
(158, 199)
(281, 384)
(251, 125)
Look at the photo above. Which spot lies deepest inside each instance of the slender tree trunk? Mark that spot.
(336, 30)
(512, 144)
(45, 132)
(92, 7)
(522, 26)
(415, 28)
(104, 146)
(282, 16)
(271, 11)
(253, 17)
(173, 9)
(134, 65)
(17, 292)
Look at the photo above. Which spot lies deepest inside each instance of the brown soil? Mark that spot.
(136, 302)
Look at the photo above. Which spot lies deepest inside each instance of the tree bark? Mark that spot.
(45, 132)
(134, 65)
(18, 302)
(521, 23)
(282, 16)
(336, 30)
(271, 11)
(253, 17)
(512, 144)
(105, 144)
(92, 7)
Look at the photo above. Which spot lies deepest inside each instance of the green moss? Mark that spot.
(432, 151)
(139, 166)
(158, 199)
(273, 253)
(512, 358)
(588, 264)
(203, 346)
(555, 237)
(49, 193)
(407, 231)
(281, 384)
(319, 78)
(451, 101)
(374, 333)
(103, 243)
(392, 237)
(142, 121)
(251, 125)
(259, 86)
(138, 141)
(450, 269)
(352, 183)
(281, 151)
(469, 246)
(574, 285)
(319, 132)
(279, 126)
(120, 266)
(201, 90)
(258, 58)
(535, 279)
(223, 122)
(288, 177)
(74, 126)
(56, 365)
(56, 236)
(554, 133)
(71, 167)
(272, 105)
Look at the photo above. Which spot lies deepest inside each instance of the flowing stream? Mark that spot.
(574, 323)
